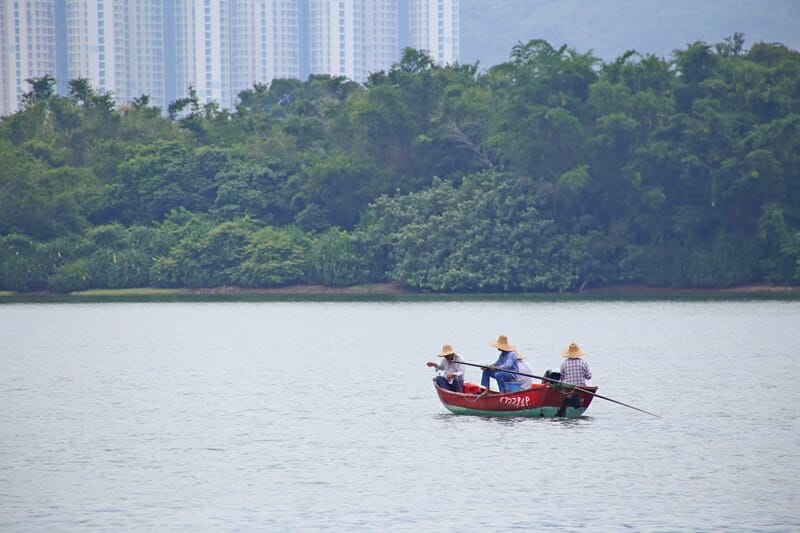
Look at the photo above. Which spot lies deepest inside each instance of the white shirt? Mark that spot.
(451, 367)
(525, 382)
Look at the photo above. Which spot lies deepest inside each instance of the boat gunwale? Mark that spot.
(564, 389)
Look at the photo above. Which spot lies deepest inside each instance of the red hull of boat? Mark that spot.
(541, 400)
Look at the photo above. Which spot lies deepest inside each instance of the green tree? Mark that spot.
(21, 266)
(42, 89)
(336, 258)
(273, 257)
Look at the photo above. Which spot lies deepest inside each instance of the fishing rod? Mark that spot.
(575, 387)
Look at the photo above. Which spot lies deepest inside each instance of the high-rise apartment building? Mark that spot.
(161, 48)
(28, 46)
(265, 41)
(203, 48)
(98, 45)
(433, 26)
(147, 45)
(382, 35)
(352, 38)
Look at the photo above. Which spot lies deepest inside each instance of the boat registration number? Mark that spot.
(516, 401)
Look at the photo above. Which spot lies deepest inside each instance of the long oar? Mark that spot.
(574, 386)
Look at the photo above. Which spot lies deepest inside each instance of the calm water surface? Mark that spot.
(299, 416)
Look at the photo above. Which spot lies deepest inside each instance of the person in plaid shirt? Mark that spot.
(574, 370)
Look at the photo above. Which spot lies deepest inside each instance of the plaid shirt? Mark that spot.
(575, 371)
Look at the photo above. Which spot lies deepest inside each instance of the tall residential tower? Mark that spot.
(161, 48)
(433, 25)
(28, 46)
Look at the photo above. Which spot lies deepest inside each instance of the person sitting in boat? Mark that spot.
(503, 370)
(574, 370)
(450, 373)
(525, 382)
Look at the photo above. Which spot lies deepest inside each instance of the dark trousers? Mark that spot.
(456, 386)
(500, 376)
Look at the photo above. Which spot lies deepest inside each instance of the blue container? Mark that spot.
(513, 387)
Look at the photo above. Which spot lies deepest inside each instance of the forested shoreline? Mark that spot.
(552, 172)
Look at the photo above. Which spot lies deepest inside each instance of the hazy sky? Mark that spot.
(490, 28)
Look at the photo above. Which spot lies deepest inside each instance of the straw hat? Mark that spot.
(573, 351)
(446, 350)
(502, 344)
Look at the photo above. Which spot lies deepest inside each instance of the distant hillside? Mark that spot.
(490, 28)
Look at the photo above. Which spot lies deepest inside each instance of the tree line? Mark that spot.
(552, 171)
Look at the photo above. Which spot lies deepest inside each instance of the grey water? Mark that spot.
(308, 416)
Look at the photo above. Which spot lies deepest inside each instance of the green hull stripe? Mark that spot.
(539, 412)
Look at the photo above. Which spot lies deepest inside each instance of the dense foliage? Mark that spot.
(550, 172)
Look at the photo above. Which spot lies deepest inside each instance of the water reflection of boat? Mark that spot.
(541, 400)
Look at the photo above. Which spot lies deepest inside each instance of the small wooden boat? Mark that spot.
(541, 400)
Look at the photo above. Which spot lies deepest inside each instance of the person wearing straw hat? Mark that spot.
(574, 370)
(450, 373)
(503, 370)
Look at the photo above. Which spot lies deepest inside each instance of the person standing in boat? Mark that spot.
(503, 369)
(574, 370)
(450, 373)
